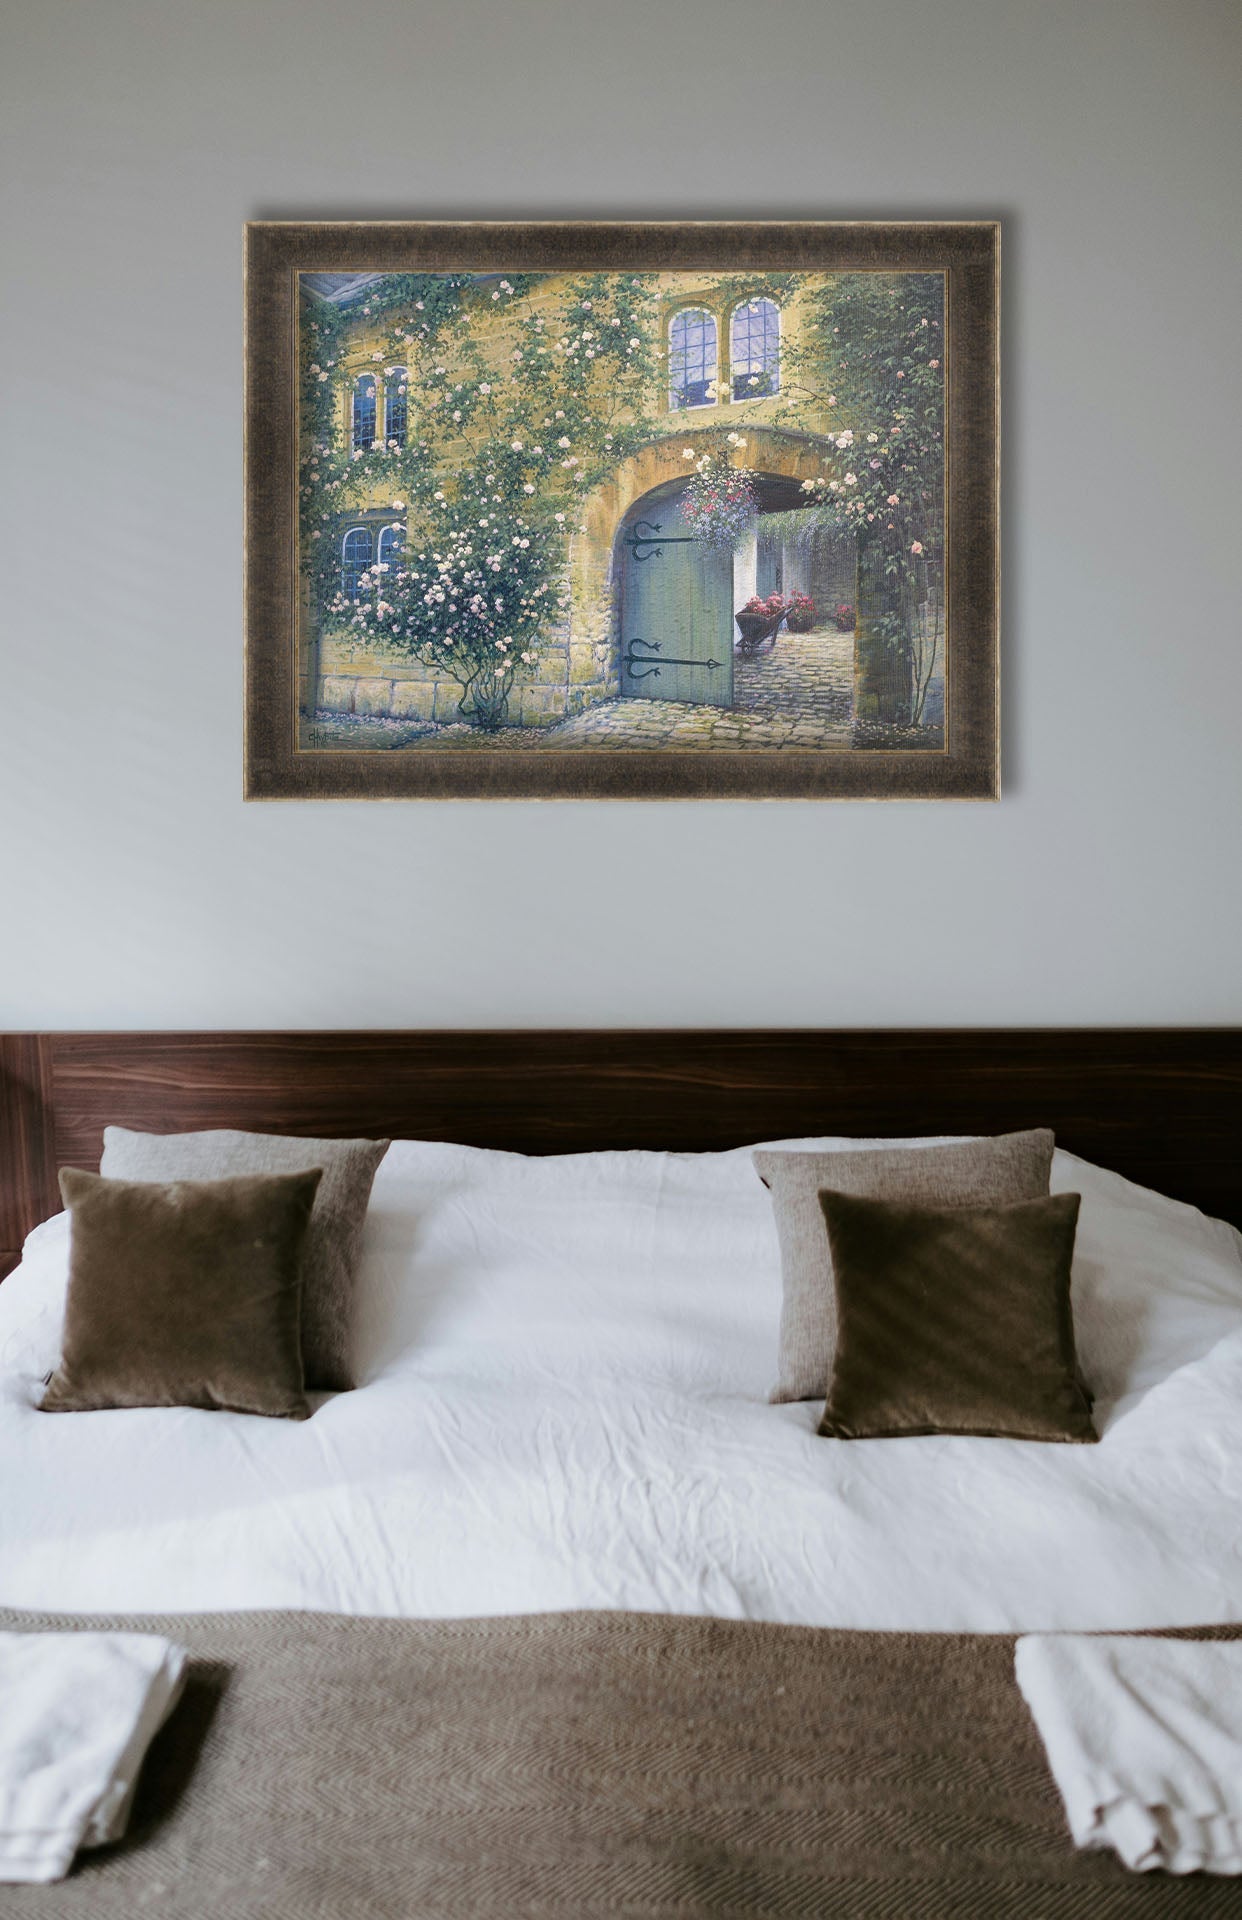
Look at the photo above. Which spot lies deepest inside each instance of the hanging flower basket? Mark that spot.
(720, 502)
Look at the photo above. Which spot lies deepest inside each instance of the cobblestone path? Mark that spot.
(801, 695)
(807, 675)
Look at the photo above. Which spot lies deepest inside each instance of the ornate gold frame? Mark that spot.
(967, 252)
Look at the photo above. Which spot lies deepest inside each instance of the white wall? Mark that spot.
(137, 135)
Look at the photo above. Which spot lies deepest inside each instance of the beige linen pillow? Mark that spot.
(333, 1245)
(185, 1293)
(968, 1173)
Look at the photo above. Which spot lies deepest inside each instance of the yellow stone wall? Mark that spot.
(579, 652)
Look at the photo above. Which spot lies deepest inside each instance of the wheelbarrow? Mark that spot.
(758, 633)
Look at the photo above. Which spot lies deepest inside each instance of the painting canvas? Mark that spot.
(568, 515)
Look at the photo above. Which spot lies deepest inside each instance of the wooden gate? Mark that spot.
(676, 614)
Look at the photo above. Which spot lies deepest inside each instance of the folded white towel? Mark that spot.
(77, 1714)
(1144, 1738)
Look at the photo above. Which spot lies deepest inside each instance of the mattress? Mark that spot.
(566, 1366)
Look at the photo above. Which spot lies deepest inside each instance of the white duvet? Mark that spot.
(568, 1363)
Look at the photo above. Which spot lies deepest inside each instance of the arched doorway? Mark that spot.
(678, 595)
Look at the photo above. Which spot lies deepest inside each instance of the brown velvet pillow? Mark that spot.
(333, 1250)
(954, 1320)
(185, 1294)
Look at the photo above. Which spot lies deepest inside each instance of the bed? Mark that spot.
(570, 1291)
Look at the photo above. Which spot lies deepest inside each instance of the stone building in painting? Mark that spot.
(629, 559)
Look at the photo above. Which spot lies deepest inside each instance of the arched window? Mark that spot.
(396, 406)
(356, 552)
(755, 349)
(691, 358)
(389, 546)
(364, 410)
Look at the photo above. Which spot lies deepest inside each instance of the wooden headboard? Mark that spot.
(1161, 1105)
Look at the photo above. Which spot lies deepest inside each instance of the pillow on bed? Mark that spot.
(979, 1173)
(334, 1243)
(954, 1320)
(185, 1294)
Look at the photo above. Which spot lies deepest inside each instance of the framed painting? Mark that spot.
(643, 511)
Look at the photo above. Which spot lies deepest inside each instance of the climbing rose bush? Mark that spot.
(516, 410)
(874, 354)
(470, 598)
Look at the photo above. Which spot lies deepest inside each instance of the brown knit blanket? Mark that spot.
(581, 1764)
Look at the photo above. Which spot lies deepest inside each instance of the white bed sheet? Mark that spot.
(568, 1363)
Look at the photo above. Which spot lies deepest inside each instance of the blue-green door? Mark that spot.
(676, 614)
